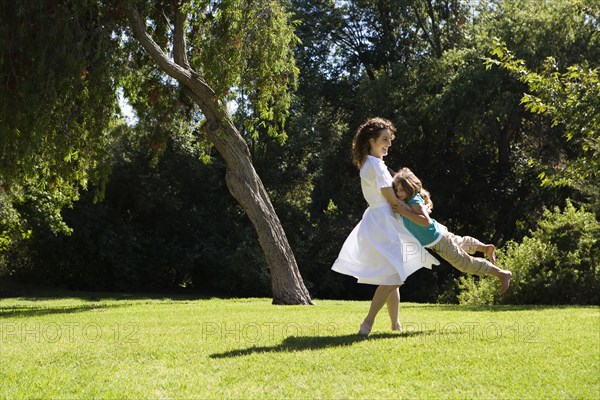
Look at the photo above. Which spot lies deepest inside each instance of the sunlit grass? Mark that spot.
(94, 346)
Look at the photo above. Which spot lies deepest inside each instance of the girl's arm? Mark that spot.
(417, 213)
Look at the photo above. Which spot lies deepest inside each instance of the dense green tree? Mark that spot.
(462, 128)
(157, 228)
(357, 59)
(473, 117)
(242, 53)
(219, 47)
(58, 70)
(572, 100)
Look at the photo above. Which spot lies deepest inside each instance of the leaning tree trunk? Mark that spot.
(242, 179)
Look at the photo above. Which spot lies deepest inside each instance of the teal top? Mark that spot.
(426, 235)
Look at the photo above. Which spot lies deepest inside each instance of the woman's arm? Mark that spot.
(390, 196)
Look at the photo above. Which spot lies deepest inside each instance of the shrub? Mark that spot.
(558, 263)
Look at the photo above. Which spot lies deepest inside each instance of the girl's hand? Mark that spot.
(399, 206)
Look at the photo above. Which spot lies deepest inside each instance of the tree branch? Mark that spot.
(190, 79)
(179, 42)
(422, 24)
(434, 29)
(139, 32)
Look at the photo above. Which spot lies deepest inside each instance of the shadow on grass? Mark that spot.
(25, 311)
(33, 293)
(301, 343)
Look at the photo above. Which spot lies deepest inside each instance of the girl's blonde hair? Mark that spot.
(412, 186)
(370, 129)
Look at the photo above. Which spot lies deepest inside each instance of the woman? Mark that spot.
(379, 251)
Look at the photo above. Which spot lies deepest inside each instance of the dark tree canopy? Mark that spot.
(495, 146)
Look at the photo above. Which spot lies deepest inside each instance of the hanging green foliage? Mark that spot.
(58, 71)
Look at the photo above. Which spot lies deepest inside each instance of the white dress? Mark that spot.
(380, 250)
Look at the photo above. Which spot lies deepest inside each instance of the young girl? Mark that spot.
(379, 251)
(415, 209)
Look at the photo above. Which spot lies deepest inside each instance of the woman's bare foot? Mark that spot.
(490, 252)
(504, 280)
(365, 328)
(397, 327)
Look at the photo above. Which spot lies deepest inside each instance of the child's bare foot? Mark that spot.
(504, 280)
(365, 328)
(490, 253)
(397, 327)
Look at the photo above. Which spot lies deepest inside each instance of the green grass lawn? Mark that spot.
(97, 346)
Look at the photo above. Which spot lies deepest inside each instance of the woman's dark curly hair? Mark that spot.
(370, 129)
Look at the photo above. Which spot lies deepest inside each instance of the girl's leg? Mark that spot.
(472, 245)
(379, 299)
(490, 252)
(393, 306)
(451, 251)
